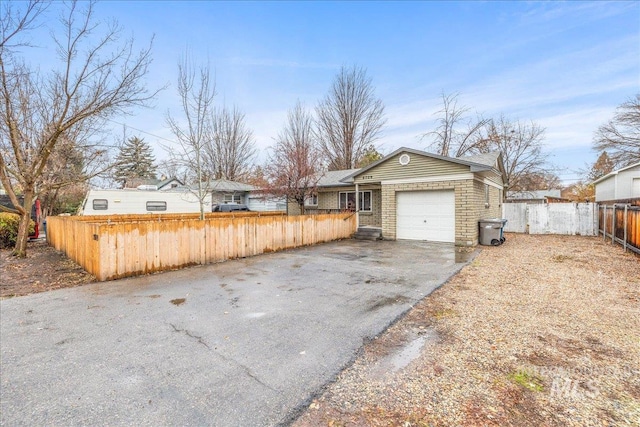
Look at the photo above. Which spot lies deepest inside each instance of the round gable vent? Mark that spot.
(404, 159)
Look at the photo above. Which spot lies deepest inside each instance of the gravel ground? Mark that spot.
(542, 331)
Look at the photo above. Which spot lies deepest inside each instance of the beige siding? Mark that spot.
(293, 208)
(330, 200)
(418, 167)
(469, 201)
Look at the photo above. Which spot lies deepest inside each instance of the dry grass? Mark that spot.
(542, 331)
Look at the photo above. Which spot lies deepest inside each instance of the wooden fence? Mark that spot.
(620, 223)
(111, 247)
(172, 217)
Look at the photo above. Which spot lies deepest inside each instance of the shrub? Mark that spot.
(9, 229)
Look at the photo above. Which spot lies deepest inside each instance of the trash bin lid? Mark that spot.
(494, 220)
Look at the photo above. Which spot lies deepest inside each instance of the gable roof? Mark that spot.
(477, 163)
(224, 185)
(165, 182)
(336, 178)
(159, 183)
(616, 172)
(488, 159)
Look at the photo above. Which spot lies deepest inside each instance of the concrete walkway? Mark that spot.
(246, 342)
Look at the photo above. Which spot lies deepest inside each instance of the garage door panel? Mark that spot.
(426, 215)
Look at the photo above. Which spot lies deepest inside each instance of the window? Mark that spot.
(232, 198)
(347, 200)
(155, 206)
(100, 204)
(486, 195)
(311, 200)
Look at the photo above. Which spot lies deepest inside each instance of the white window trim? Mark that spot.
(309, 200)
(360, 192)
(487, 196)
(235, 198)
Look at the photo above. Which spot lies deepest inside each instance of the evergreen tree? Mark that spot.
(134, 161)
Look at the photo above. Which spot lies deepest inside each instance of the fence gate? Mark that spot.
(553, 218)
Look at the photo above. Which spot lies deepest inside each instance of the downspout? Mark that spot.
(357, 207)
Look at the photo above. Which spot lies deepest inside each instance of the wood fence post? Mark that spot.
(625, 227)
(613, 224)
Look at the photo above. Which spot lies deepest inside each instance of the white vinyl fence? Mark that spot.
(553, 218)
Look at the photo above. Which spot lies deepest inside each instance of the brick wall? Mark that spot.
(469, 205)
(329, 200)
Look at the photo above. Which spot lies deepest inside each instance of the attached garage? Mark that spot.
(426, 215)
(425, 196)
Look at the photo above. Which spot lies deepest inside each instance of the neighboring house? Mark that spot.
(154, 184)
(621, 186)
(412, 194)
(224, 192)
(140, 201)
(535, 196)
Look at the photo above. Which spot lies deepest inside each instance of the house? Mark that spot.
(535, 196)
(412, 194)
(620, 186)
(224, 191)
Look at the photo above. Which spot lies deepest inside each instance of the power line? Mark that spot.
(142, 131)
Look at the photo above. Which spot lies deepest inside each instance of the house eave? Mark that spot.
(474, 167)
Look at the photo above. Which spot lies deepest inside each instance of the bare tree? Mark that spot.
(75, 161)
(96, 78)
(539, 181)
(197, 91)
(456, 133)
(295, 162)
(521, 148)
(620, 137)
(170, 168)
(230, 149)
(349, 119)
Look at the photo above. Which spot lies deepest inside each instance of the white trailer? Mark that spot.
(141, 201)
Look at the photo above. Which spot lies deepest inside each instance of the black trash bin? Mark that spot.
(492, 231)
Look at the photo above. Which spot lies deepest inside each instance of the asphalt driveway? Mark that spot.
(245, 342)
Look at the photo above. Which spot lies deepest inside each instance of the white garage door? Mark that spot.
(426, 215)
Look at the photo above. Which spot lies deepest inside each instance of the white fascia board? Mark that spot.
(454, 177)
(489, 182)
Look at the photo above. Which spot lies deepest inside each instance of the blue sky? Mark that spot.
(565, 66)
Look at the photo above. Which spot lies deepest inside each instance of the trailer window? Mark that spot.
(100, 204)
(156, 206)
